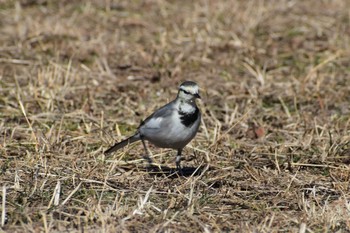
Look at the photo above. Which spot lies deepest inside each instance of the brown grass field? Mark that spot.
(273, 150)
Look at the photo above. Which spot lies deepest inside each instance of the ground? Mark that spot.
(273, 150)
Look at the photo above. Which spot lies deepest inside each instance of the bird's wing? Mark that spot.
(157, 118)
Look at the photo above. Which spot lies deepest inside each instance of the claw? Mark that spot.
(178, 162)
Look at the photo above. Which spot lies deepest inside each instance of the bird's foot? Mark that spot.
(179, 168)
(149, 160)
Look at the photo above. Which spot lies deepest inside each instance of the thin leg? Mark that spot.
(146, 157)
(178, 160)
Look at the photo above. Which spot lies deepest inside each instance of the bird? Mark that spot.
(172, 126)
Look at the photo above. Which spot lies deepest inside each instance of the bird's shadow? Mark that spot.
(169, 172)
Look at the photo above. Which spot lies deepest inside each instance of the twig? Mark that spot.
(3, 212)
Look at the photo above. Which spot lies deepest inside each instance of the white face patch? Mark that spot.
(190, 89)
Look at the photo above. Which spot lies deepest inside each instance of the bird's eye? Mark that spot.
(186, 92)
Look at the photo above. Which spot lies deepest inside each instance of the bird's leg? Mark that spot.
(146, 157)
(178, 160)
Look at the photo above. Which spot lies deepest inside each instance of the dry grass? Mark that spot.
(273, 152)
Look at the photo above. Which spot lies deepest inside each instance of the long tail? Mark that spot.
(123, 143)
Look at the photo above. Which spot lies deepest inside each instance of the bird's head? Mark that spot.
(189, 91)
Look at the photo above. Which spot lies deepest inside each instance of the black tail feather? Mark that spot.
(123, 143)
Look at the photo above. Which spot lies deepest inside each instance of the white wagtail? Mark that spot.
(172, 126)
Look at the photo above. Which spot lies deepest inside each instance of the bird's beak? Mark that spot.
(197, 96)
